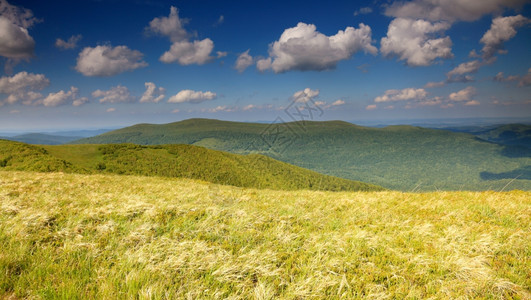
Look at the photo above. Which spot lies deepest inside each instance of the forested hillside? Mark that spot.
(397, 157)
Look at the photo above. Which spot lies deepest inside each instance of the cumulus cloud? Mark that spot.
(187, 53)
(116, 94)
(220, 54)
(171, 26)
(463, 95)
(401, 95)
(464, 68)
(71, 43)
(182, 50)
(449, 10)
(108, 61)
(305, 95)
(61, 97)
(416, 41)
(303, 48)
(152, 93)
(371, 107)
(15, 41)
(191, 96)
(111, 109)
(501, 30)
(80, 101)
(22, 87)
(472, 103)
(244, 61)
(338, 102)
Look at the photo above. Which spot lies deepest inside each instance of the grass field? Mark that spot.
(73, 236)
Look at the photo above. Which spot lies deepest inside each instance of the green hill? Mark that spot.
(184, 161)
(397, 157)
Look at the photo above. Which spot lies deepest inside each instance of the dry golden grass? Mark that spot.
(103, 236)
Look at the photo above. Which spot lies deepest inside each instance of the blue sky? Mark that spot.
(96, 64)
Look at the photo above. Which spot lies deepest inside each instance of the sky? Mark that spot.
(108, 63)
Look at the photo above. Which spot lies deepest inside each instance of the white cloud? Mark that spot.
(449, 10)
(191, 96)
(263, 64)
(413, 41)
(249, 107)
(338, 102)
(70, 44)
(371, 107)
(500, 77)
(305, 95)
(171, 26)
(80, 101)
(463, 95)
(244, 61)
(220, 21)
(15, 41)
(175, 111)
(464, 68)
(61, 97)
(22, 87)
(221, 108)
(187, 53)
(152, 93)
(402, 95)
(220, 54)
(363, 11)
(111, 109)
(435, 84)
(526, 79)
(108, 61)
(114, 95)
(182, 50)
(472, 103)
(501, 30)
(303, 48)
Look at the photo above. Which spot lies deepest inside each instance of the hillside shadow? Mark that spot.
(520, 173)
(516, 151)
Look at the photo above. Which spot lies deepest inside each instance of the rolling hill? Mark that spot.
(183, 161)
(508, 134)
(104, 236)
(42, 139)
(396, 157)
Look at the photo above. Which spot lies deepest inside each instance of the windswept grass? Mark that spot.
(113, 237)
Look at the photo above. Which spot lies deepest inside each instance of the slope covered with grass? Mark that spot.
(397, 157)
(171, 161)
(106, 237)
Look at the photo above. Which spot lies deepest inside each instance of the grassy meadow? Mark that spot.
(105, 236)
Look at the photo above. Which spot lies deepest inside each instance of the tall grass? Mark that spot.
(74, 236)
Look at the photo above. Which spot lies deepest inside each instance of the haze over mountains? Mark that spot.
(396, 157)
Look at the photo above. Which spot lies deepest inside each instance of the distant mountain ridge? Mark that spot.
(397, 157)
(178, 161)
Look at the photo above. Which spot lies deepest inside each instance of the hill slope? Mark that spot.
(398, 157)
(171, 161)
(42, 139)
(75, 236)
